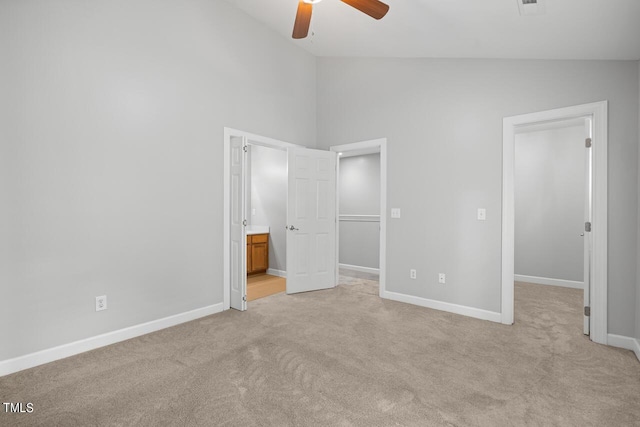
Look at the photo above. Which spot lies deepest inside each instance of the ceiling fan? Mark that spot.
(374, 8)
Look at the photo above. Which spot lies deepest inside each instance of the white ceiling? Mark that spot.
(570, 29)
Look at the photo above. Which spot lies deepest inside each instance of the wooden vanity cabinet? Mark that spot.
(257, 253)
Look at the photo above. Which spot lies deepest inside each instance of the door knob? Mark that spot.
(292, 228)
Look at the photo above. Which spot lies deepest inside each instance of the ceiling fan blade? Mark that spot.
(374, 8)
(303, 19)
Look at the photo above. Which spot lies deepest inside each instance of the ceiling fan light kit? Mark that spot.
(374, 8)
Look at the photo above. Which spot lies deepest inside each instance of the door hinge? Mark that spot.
(587, 226)
(587, 142)
(244, 298)
(245, 148)
(244, 222)
(587, 311)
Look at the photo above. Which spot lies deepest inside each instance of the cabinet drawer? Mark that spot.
(260, 238)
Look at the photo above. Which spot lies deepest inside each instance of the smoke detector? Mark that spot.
(531, 7)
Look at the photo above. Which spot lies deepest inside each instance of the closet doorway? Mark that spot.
(596, 276)
(361, 212)
(552, 205)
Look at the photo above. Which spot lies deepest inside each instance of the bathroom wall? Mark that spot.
(549, 203)
(268, 199)
(359, 188)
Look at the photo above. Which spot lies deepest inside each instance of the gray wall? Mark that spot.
(112, 117)
(269, 199)
(638, 263)
(359, 189)
(443, 121)
(111, 122)
(549, 203)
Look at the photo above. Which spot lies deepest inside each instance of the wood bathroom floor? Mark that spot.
(263, 285)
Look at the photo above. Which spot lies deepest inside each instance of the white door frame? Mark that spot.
(248, 138)
(369, 147)
(598, 112)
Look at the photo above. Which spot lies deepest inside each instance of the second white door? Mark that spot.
(311, 220)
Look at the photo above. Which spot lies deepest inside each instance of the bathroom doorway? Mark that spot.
(310, 213)
(266, 206)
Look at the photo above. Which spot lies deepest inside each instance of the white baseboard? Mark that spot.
(60, 352)
(274, 272)
(445, 306)
(359, 268)
(628, 343)
(547, 281)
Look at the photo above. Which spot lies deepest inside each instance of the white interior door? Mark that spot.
(311, 220)
(587, 234)
(238, 238)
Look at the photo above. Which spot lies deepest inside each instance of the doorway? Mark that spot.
(552, 206)
(364, 148)
(595, 260)
(359, 216)
(266, 215)
(310, 212)
(234, 217)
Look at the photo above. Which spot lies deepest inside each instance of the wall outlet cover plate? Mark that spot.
(101, 303)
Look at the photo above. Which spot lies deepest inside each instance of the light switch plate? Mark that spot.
(395, 212)
(482, 214)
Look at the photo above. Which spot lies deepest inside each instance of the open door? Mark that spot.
(587, 231)
(238, 239)
(311, 220)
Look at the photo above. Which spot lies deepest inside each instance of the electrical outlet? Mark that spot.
(442, 278)
(395, 213)
(413, 274)
(101, 303)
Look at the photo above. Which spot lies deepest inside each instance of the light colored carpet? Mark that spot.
(344, 357)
